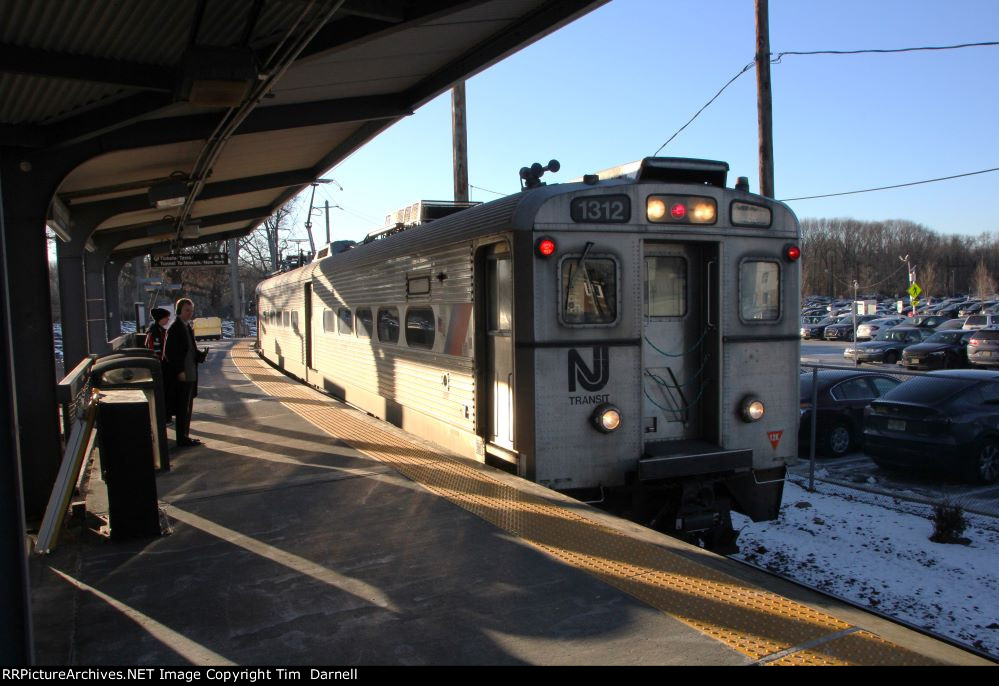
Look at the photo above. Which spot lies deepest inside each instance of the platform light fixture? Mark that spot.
(169, 193)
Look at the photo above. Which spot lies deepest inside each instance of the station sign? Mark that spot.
(190, 259)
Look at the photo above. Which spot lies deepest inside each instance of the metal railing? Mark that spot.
(934, 490)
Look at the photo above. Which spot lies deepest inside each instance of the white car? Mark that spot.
(869, 330)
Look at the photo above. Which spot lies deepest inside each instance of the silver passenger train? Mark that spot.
(630, 337)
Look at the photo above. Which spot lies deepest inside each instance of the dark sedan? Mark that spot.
(843, 329)
(983, 347)
(842, 397)
(926, 321)
(942, 350)
(887, 346)
(816, 330)
(944, 424)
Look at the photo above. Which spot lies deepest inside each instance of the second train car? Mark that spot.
(630, 337)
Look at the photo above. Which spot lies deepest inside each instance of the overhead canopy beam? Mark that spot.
(16, 59)
(354, 31)
(533, 27)
(264, 119)
(219, 189)
(393, 11)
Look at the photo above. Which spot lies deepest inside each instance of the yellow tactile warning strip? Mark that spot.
(757, 623)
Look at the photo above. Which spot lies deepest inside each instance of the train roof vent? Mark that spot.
(418, 213)
(334, 248)
(671, 169)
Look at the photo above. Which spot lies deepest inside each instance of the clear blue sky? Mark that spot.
(614, 85)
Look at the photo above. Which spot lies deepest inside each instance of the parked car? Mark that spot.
(842, 330)
(943, 424)
(869, 330)
(976, 308)
(842, 397)
(983, 348)
(942, 350)
(926, 321)
(887, 346)
(951, 324)
(980, 321)
(816, 330)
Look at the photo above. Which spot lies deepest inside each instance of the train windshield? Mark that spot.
(589, 290)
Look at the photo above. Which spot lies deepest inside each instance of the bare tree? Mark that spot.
(929, 279)
(982, 282)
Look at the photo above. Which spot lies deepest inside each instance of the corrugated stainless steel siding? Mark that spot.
(280, 339)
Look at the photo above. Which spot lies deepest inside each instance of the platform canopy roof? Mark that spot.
(222, 110)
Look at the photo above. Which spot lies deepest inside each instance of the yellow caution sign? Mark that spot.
(914, 290)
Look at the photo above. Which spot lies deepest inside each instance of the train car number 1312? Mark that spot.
(615, 209)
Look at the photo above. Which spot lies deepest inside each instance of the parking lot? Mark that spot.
(858, 471)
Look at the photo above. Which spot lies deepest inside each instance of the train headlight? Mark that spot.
(681, 209)
(703, 213)
(656, 209)
(606, 418)
(752, 409)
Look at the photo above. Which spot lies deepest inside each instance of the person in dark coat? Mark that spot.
(156, 334)
(180, 368)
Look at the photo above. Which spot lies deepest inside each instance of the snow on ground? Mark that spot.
(878, 554)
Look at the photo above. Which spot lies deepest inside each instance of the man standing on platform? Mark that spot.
(181, 369)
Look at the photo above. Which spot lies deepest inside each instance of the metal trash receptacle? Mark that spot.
(125, 437)
(138, 372)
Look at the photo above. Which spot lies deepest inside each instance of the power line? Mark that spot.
(698, 113)
(480, 188)
(776, 59)
(882, 51)
(898, 185)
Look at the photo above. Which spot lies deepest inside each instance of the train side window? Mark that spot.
(388, 325)
(665, 287)
(328, 325)
(346, 321)
(420, 327)
(588, 295)
(285, 318)
(363, 322)
(294, 320)
(759, 290)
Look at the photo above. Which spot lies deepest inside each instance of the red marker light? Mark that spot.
(678, 211)
(546, 247)
(792, 252)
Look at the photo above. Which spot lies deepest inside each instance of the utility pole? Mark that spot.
(764, 100)
(459, 138)
(854, 310)
(237, 305)
(327, 222)
(308, 218)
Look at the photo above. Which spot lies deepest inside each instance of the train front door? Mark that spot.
(499, 380)
(676, 292)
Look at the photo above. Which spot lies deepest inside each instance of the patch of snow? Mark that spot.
(876, 552)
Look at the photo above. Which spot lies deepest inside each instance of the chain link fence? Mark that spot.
(896, 488)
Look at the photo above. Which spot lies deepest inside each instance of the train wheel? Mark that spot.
(721, 538)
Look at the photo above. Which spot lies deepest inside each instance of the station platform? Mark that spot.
(304, 532)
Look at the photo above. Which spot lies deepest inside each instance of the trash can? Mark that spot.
(119, 371)
(125, 437)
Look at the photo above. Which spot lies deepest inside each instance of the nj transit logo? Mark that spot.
(590, 378)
